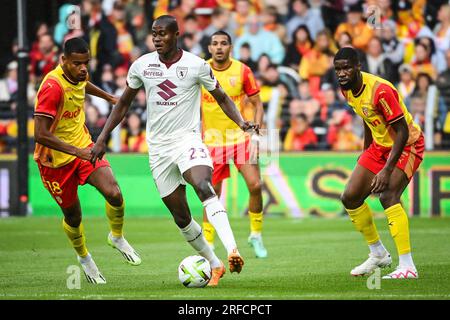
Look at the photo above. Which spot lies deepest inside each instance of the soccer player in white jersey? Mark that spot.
(172, 79)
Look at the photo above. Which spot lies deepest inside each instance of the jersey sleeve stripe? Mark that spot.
(396, 119)
(44, 114)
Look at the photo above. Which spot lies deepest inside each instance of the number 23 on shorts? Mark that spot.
(197, 152)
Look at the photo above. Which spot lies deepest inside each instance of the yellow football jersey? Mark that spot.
(380, 105)
(238, 81)
(62, 100)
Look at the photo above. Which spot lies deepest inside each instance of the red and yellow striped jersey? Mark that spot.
(63, 101)
(238, 82)
(380, 105)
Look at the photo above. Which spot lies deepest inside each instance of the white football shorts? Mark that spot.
(169, 163)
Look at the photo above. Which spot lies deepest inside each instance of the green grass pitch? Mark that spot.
(308, 259)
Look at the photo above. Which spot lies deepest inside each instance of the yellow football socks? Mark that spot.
(208, 231)
(362, 218)
(115, 217)
(77, 238)
(399, 228)
(256, 222)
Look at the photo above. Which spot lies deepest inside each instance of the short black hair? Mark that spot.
(221, 33)
(75, 45)
(170, 22)
(347, 53)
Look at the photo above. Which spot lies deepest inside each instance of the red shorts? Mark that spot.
(222, 155)
(62, 182)
(375, 157)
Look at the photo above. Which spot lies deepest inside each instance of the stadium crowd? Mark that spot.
(289, 45)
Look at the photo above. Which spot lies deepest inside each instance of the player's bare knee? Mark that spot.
(73, 221)
(388, 199)
(114, 196)
(255, 187)
(204, 189)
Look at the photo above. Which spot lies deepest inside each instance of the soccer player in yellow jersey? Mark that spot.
(393, 151)
(224, 138)
(63, 151)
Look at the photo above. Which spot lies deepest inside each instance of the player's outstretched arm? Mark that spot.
(229, 108)
(381, 180)
(43, 136)
(116, 116)
(92, 89)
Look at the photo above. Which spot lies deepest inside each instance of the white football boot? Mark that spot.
(403, 273)
(90, 270)
(127, 251)
(371, 264)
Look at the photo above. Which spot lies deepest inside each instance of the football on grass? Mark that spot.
(194, 272)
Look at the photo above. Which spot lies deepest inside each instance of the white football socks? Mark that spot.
(406, 261)
(194, 236)
(218, 217)
(377, 249)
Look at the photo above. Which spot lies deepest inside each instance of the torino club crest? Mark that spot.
(182, 72)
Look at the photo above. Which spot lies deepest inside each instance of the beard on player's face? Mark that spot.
(350, 83)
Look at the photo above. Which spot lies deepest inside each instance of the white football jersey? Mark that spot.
(173, 95)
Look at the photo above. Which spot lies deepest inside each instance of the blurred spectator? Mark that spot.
(133, 136)
(393, 48)
(260, 41)
(190, 40)
(148, 45)
(271, 22)
(45, 58)
(377, 63)
(436, 56)
(303, 15)
(422, 62)
(340, 132)
(240, 16)
(282, 7)
(407, 84)
(298, 48)
(107, 81)
(317, 61)
(442, 29)
(330, 102)
(417, 109)
(262, 64)
(124, 30)
(102, 39)
(443, 82)
(9, 86)
(344, 40)
(220, 20)
(245, 54)
(358, 29)
(62, 27)
(300, 135)
(94, 121)
(134, 12)
(185, 8)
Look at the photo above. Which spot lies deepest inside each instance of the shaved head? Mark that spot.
(167, 21)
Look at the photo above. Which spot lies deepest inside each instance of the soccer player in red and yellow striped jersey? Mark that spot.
(224, 138)
(63, 153)
(393, 151)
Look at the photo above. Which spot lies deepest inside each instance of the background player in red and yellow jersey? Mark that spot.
(393, 150)
(63, 151)
(224, 138)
